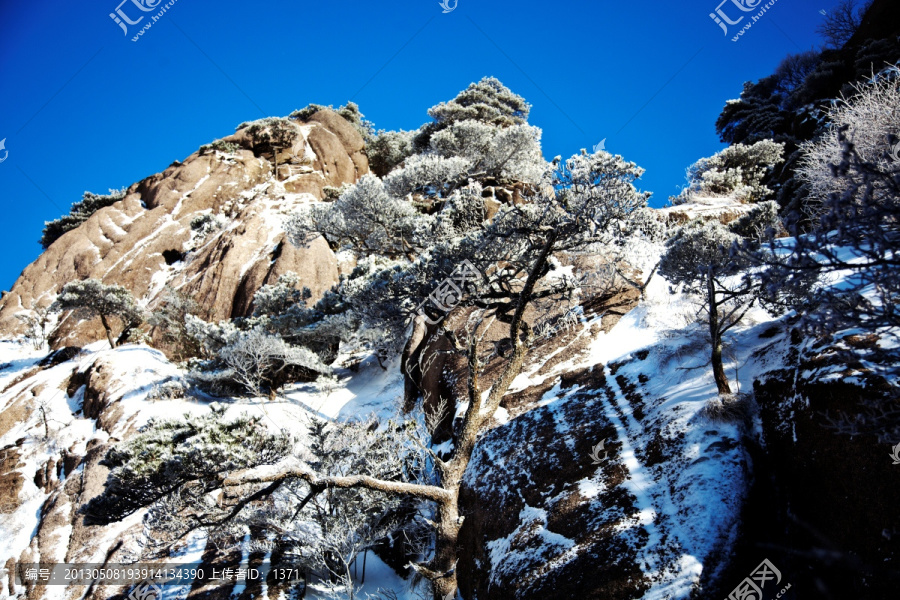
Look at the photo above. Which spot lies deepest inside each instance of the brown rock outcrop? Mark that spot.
(146, 241)
(10, 479)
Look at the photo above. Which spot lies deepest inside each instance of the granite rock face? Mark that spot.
(211, 227)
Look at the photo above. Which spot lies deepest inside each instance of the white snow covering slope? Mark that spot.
(685, 507)
(685, 504)
(139, 371)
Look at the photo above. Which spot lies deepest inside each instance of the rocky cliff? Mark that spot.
(211, 227)
(609, 472)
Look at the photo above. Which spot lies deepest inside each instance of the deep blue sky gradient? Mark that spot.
(84, 108)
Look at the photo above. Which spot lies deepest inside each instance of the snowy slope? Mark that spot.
(655, 518)
(667, 499)
(130, 378)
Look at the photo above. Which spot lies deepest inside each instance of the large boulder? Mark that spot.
(151, 239)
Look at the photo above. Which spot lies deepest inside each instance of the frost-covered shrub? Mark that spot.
(207, 223)
(647, 224)
(365, 217)
(210, 377)
(36, 322)
(78, 214)
(738, 171)
(168, 390)
(388, 149)
(169, 321)
(271, 132)
(221, 146)
(303, 114)
(331, 193)
(728, 408)
(211, 337)
(869, 122)
(351, 113)
(254, 360)
(262, 361)
(277, 299)
(762, 222)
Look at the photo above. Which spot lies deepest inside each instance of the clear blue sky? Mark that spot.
(85, 108)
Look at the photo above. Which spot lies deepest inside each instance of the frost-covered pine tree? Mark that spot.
(707, 259)
(852, 224)
(568, 206)
(173, 467)
(588, 199)
(90, 298)
(487, 101)
(387, 150)
(78, 214)
(183, 456)
(738, 172)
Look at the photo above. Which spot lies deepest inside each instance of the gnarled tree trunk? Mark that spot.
(716, 336)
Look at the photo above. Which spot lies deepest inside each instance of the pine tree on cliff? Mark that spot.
(438, 231)
(705, 257)
(91, 298)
